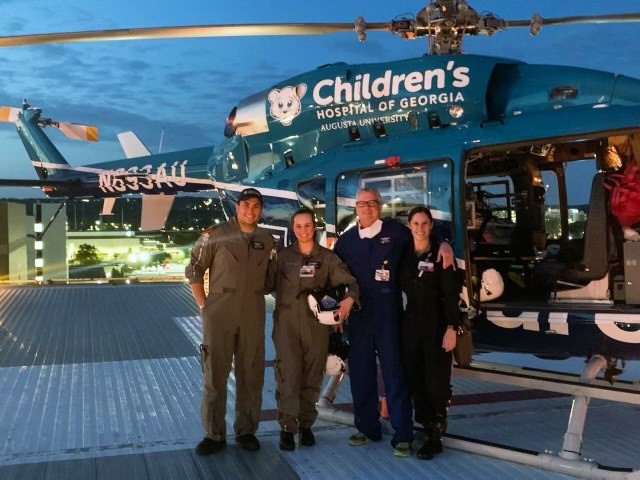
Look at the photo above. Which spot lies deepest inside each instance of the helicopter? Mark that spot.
(514, 129)
(512, 158)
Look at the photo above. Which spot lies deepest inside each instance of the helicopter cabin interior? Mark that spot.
(540, 216)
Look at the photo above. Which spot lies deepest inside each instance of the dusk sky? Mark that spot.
(188, 86)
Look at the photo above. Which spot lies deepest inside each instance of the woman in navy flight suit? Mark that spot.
(429, 329)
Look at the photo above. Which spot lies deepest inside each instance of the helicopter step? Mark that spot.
(558, 382)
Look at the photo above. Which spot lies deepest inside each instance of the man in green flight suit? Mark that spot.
(237, 254)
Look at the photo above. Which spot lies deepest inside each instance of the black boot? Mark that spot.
(287, 441)
(425, 452)
(433, 440)
(307, 438)
(208, 446)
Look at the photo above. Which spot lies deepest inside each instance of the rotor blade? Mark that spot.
(79, 132)
(237, 30)
(9, 114)
(584, 19)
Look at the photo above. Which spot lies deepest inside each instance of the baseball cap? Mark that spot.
(248, 193)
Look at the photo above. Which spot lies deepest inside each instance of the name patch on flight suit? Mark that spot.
(257, 245)
(307, 271)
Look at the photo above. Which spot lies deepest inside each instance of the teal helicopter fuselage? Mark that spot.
(343, 117)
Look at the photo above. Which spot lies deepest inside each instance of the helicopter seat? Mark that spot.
(593, 264)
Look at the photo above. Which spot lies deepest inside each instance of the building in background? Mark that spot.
(20, 242)
(13, 242)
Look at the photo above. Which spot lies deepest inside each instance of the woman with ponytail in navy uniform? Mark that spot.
(429, 330)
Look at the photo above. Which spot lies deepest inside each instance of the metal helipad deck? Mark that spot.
(103, 382)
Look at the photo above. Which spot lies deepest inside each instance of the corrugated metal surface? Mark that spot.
(81, 324)
(104, 382)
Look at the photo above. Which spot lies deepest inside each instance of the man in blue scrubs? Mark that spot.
(373, 251)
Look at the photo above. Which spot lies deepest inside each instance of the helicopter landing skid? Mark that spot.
(569, 460)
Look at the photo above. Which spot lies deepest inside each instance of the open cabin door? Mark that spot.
(540, 216)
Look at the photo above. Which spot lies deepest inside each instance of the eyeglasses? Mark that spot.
(370, 203)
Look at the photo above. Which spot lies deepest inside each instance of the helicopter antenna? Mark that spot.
(161, 140)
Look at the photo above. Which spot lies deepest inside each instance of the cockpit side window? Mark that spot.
(401, 189)
(312, 194)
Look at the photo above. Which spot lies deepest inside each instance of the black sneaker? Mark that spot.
(287, 442)
(208, 446)
(307, 438)
(249, 442)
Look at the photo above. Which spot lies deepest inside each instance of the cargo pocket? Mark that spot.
(204, 353)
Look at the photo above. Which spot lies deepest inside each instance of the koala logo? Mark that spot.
(285, 103)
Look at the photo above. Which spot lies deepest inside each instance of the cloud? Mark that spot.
(188, 86)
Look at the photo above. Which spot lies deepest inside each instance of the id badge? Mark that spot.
(382, 275)
(307, 271)
(425, 266)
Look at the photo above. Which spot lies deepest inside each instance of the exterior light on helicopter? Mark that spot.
(413, 120)
(288, 158)
(434, 120)
(392, 161)
(378, 129)
(354, 133)
(229, 125)
(232, 161)
(563, 93)
(456, 111)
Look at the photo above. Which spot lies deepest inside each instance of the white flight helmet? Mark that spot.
(338, 353)
(324, 303)
(335, 365)
(491, 285)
